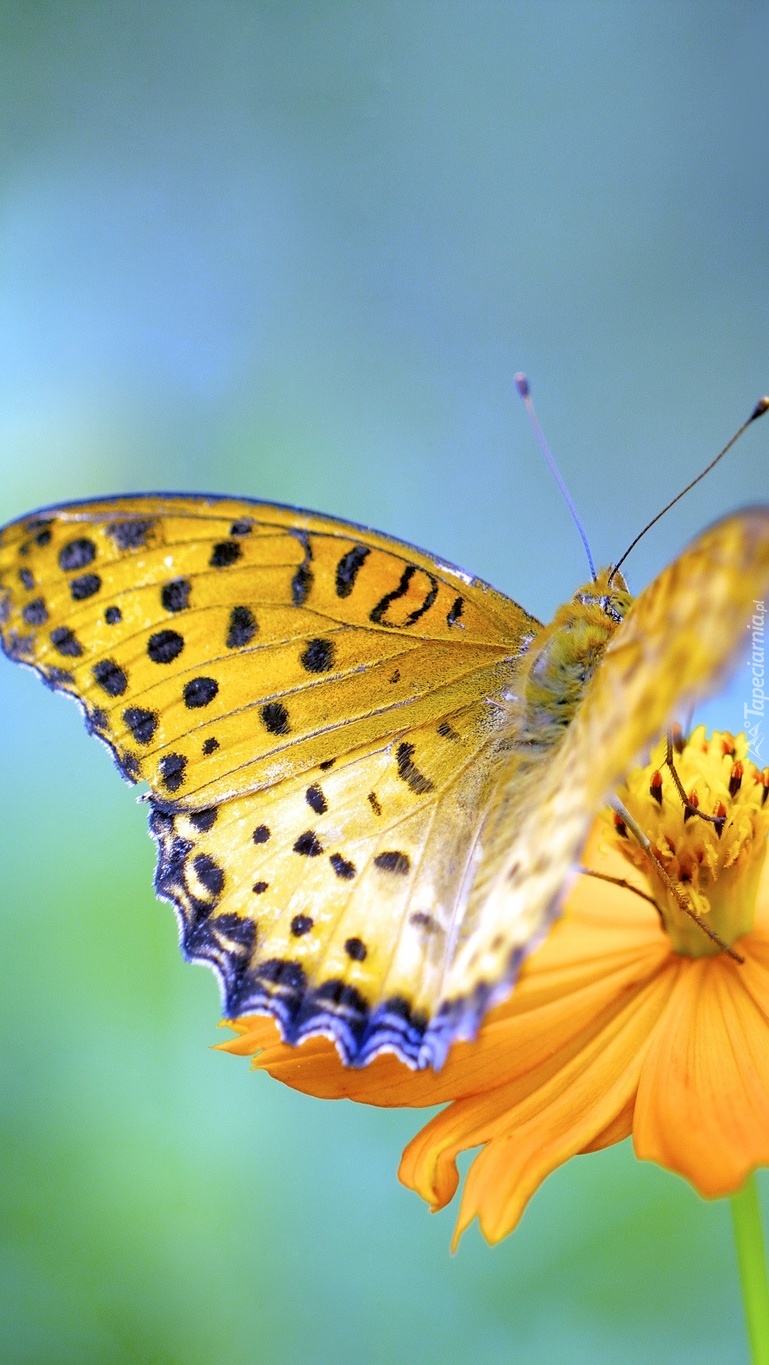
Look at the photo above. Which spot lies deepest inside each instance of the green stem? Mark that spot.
(752, 1261)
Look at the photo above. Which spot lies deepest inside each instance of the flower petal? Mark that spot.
(606, 947)
(532, 1125)
(703, 1099)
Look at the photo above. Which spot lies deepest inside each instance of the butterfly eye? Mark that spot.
(610, 607)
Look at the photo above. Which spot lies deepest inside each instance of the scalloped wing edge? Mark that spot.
(279, 988)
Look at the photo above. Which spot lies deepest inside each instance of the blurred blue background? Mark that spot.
(297, 251)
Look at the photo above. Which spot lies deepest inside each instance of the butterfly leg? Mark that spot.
(675, 890)
(626, 886)
(690, 808)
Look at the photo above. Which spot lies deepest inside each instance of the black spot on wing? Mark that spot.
(275, 718)
(165, 646)
(243, 527)
(374, 803)
(317, 656)
(141, 723)
(348, 568)
(175, 596)
(113, 615)
(301, 924)
(35, 613)
(85, 586)
(338, 992)
(261, 834)
(76, 554)
(66, 642)
(203, 820)
(308, 844)
(356, 949)
(242, 627)
(259, 888)
(172, 771)
(409, 773)
(199, 692)
(342, 867)
(393, 860)
(210, 746)
(26, 579)
(315, 799)
(225, 553)
(130, 535)
(422, 919)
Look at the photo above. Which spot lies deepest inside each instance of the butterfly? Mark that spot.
(370, 775)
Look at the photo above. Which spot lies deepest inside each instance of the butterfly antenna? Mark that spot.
(522, 385)
(761, 407)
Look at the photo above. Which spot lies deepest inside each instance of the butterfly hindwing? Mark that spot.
(330, 899)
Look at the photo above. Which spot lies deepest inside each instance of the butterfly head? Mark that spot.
(608, 592)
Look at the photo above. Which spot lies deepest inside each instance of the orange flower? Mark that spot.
(628, 1020)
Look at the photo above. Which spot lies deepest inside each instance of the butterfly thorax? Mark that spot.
(563, 657)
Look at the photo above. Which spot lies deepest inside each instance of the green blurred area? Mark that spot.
(297, 251)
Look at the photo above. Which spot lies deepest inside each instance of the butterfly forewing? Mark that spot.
(217, 651)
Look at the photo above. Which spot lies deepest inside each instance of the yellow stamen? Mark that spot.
(716, 862)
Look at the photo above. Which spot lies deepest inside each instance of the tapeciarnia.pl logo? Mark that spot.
(755, 710)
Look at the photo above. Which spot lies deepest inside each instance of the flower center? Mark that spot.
(716, 866)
